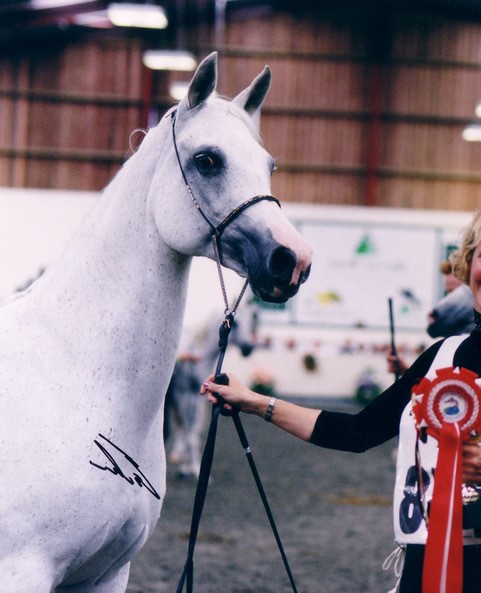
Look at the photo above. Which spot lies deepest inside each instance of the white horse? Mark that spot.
(87, 351)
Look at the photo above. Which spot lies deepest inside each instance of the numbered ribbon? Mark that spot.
(448, 409)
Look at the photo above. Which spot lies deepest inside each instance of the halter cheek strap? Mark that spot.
(184, 177)
(220, 228)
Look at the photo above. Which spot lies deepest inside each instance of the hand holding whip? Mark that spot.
(394, 355)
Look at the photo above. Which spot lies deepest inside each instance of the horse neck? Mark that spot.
(119, 289)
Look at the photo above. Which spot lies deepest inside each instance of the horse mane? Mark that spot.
(133, 135)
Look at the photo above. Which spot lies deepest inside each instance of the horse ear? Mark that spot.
(204, 81)
(253, 96)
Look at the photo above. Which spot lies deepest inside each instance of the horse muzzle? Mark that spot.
(283, 276)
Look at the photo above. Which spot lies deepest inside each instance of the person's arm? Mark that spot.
(297, 420)
(375, 424)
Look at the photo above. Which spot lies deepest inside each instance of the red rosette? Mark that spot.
(453, 396)
(448, 408)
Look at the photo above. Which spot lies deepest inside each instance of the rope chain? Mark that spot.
(222, 283)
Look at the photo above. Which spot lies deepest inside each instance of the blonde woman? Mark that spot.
(391, 415)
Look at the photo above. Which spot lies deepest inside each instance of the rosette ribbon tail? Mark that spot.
(443, 561)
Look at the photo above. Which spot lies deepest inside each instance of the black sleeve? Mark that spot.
(378, 421)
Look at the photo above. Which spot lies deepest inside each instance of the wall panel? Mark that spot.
(70, 111)
(407, 192)
(386, 113)
(363, 109)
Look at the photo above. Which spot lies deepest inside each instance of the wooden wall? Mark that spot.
(368, 110)
(67, 113)
(364, 109)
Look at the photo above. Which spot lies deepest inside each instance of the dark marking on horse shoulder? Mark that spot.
(136, 477)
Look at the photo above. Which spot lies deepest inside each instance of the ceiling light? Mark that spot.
(97, 19)
(159, 59)
(48, 4)
(472, 133)
(146, 16)
(178, 90)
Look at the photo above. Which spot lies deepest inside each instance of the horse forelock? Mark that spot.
(236, 111)
(147, 140)
(218, 102)
(232, 109)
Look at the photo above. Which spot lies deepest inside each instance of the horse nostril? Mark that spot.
(305, 275)
(281, 265)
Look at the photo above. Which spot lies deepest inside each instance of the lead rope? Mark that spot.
(187, 577)
(215, 239)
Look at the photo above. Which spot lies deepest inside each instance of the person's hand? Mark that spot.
(234, 394)
(396, 365)
(472, 461)
(297, 420)
(188, 357)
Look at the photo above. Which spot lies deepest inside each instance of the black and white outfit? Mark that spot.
(390, 415)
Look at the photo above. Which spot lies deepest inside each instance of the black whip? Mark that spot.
(397, 371)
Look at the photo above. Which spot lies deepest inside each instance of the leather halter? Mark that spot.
(220, 228)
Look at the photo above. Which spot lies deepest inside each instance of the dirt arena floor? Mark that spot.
(332, 509)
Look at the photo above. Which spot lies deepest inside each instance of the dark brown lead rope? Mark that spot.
(187, 576)
(206, 465)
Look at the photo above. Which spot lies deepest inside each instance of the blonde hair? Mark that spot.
(462, 258)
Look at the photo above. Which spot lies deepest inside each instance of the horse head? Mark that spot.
(222, 188)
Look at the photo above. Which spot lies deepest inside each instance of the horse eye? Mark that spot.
(208, 163)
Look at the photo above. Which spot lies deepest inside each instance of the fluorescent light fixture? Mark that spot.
(472, 133)
(178, 90)
(48, 4)
(146, 16)
(97, 19)
(161, 59)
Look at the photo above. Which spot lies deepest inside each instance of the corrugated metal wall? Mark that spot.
(363, 110)
(67, 113)
(368, 112)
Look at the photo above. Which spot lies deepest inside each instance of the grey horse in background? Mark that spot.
(185, 410)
